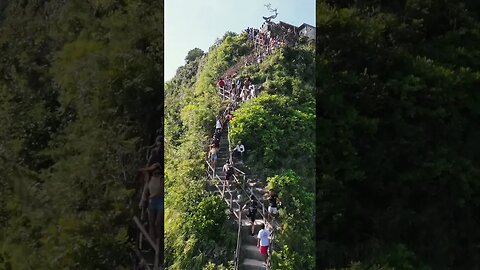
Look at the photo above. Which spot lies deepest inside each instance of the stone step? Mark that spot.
(246, 229)
(249, 264)
(251, 252)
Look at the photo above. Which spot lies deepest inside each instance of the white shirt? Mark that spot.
(225, 167)
(263, 236)
(219, 125)
(240, 148)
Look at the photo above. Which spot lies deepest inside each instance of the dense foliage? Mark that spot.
(197, 228)
(278, 127)
(294, 243)
(398, 129)
(80, 91)
(278, 131)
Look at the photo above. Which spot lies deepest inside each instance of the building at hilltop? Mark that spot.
(305, 29)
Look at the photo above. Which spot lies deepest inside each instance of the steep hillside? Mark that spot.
(277, 128)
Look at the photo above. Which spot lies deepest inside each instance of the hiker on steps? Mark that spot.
(215, 142)
(263, 242)
(272, 207)
(252, 212)
(217, 135)
(218, 125)
(239, 148)
(238, 84)
(228, 170)
(221, 86)
(247, 82)
(233, 90)
(252, 91)
(243, 94)
(156, 154)
(228, 117)
(153, 193)
(213, 156)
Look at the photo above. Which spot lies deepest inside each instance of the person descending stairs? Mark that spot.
(230, 193)
(251, 257)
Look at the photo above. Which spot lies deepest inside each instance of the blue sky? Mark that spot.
(197, 24)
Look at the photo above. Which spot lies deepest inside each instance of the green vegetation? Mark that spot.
(80, 92)
(278, 130)
(398, 134)
(295, 240)
(197, 230)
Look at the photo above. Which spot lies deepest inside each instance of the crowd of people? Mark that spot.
(268, 41)
(264, 235)
(236, 88)
(242, 89)
(265, 42)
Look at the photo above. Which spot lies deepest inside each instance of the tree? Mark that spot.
(398, 114)
(193, 55)
(77, 100)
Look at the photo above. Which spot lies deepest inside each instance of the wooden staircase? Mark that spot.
(249, 255)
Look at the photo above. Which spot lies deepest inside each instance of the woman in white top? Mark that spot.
(252, 91)
(218, 125)
(243, 94)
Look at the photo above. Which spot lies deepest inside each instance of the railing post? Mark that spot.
(157, 251)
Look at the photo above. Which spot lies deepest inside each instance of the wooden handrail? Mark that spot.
(150, 241)
(145, 233)
(239, 239)
(236, 169)
(139, 255)
(222, 190)
(238, 214)
(146, 150)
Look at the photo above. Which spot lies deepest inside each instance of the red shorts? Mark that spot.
(263, 250)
